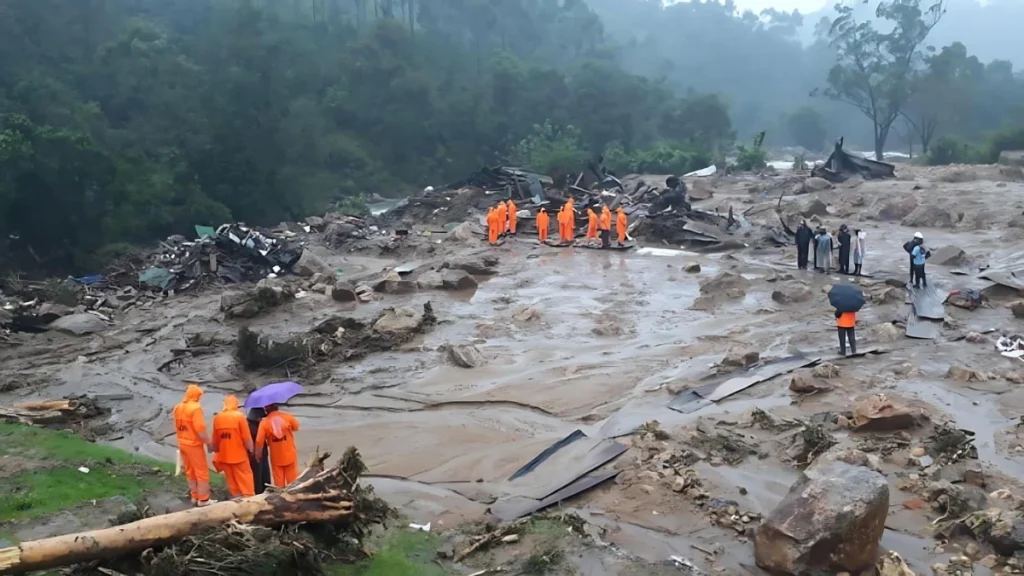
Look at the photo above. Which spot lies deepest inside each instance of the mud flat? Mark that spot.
(601, 342)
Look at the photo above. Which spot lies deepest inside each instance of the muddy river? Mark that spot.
(597, 341)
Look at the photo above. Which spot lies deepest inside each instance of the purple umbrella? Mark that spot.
(278, 393)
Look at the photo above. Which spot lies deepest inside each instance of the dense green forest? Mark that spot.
(123, 121)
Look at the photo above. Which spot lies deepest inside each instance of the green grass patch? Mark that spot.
(53, 482)
(398, 553)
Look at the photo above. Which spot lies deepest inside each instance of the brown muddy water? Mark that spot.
(608, 335)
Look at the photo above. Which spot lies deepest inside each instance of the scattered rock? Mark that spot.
(1018, 309)
(888, 295)
(692, 268)
(850, 456)
(792, 294)
(886, 332)
(930, 217)
(524, 314)
(78, 324)
(458, 280)
(881, 412)
(832, 519)
(826, 370)
(430, 280)
(724, 283)
(814, 208)
(50, 311)
(803, 384)
(741, 359)
(462, 233)
(815, 184)
(309, 264)
(465, 355)
(898, 210)
(392, 283)
(400, 321)
(949, 256)
(976, 338)
(964, 374)
(269, 293)
(990, 561)
(477, 266)
(343, 292)
(699, 190)
(891, 564)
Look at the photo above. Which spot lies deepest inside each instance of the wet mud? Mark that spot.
(599, 342)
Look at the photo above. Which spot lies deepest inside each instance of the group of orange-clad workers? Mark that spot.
(501, 220)
(235, 454)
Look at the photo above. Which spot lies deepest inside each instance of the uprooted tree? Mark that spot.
(319, 497)
(875, 72)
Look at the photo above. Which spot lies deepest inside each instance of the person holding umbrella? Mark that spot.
(847, 299)
(276, 431)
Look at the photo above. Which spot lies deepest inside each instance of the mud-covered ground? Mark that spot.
(600, 341)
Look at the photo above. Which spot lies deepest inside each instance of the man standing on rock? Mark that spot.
(190, 428)
(844, 249)
(277, 430)
(804, 235)
(232, 442)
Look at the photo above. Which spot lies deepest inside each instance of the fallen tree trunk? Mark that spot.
(49, 412)
(318, 496)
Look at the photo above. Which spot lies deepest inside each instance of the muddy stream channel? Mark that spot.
(599, 342)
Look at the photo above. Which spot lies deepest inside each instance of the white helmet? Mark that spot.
(918, 235)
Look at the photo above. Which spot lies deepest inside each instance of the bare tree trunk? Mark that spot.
(318, 495)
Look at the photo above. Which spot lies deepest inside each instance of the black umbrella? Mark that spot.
(846, 298)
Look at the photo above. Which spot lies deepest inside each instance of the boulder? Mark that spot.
(343, 292)
(814, 208)
(888, 295)
(883, 412)
(850, 456)
(692, 268)
(804, 384)
(478, 266)
(309, 264)
(392, 283)
(78, 324)
(949, 256)
(965, 374)
(399, 321)
(724, 283)
(50, 311)
(830, 521)
(891, 564)
(930, 217)
(741, 359)
(898, 210)
(700, 190)
(885, 332)
(430, 280)
(792, 294)
(465, 355)
(462, 233)
(1018, 309)
(458, 280)
(815, 184)
(315, 222)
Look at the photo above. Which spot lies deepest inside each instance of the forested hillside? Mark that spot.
(123, 121)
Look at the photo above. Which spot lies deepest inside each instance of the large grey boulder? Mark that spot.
(465, 355)
(310, 264)
(477, 265)
(399, 321)
(831, 521)
(343, 292)
(458, 280)
(78, 324)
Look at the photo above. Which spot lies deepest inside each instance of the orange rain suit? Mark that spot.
(847, 320)
(232, 443)
(591, 224)
(570, 230)
(511, 216)
(542, 225)
(606, 219)
(190, 428)
(492, 226)
(279, 428)
(502, 211)
(621, 223)
(561, 224)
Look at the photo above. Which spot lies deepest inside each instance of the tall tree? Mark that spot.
(874, 71)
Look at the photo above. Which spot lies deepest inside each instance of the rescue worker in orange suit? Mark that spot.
(502, 211)
(511, 217)
(591, 224)
(846, 322)
(562, 224)
(232, 443)
(542, 225)
(606, 227)
(492, 226)
(570, 209)
(278, 431)
(621, 223)
(190, 427)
